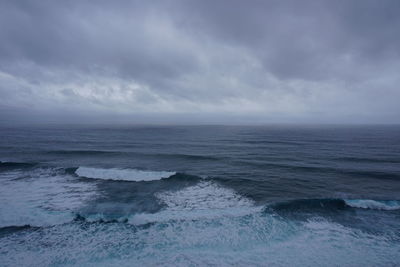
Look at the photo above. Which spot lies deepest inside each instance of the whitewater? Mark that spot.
(183, 196)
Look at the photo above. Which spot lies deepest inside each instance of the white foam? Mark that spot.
(204, 195)
(255, 240)
(203, 200)
(373, 204)
(122, 174)
(41, 199)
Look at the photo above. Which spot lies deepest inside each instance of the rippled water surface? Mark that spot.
(200, 195)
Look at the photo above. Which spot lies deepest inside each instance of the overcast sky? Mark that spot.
(200, 61)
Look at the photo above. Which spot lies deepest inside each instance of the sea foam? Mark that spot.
(205, 200)
(373, 204)
(42, 198)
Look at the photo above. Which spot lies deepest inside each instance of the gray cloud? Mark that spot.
(222, 61)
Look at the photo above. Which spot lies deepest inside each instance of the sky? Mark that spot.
(208, 61)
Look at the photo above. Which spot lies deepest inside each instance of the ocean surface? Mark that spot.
(200, 196)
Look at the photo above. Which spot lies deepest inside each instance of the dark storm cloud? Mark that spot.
(277, 60)
(303, 39)
(89, 36)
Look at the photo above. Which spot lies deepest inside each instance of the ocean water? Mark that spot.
(200, 196)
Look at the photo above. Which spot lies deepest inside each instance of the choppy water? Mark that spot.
(204, 195)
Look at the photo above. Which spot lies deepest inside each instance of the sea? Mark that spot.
(210, 195)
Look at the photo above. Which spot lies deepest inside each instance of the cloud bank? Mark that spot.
(200, 61)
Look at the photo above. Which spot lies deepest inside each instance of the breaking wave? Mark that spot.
(205, 200)
(122, 174)
(45, 197)
(300, 205)
(373, 204)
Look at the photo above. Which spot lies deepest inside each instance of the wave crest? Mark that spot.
(373, 204)
(122, 174)
(324, 205)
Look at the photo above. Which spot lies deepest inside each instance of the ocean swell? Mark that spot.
(333, 205)
(6, 165)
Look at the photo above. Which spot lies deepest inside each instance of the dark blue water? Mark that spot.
(200, 195)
